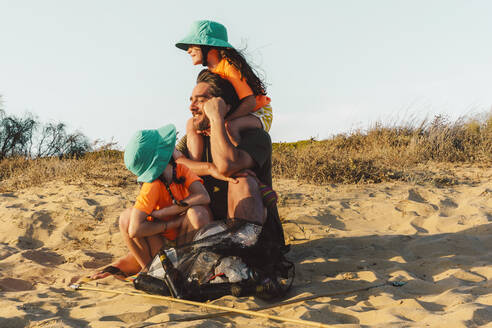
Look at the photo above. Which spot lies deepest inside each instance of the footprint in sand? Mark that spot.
(128, 317)
(15, 285)
(18, 205)
(98, 259)
(292, 199)
(417, 224)
(40, 227)
(415, 205)
(8, 194)
(333, 221)
(39, 204)
(413, 195)
(6, 251)
(98, 213)
(44, 257)
(448, 203)
(446, 207)
(26, 242)
(91, 202)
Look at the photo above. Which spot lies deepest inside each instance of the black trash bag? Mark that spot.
(230, 257)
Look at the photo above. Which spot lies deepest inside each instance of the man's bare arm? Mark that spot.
(199, 168)
(202, 168)
(227, 159)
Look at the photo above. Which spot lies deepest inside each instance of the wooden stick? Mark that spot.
(266, 307)
(305, 323)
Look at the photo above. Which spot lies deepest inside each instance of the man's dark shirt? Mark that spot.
(257, 143)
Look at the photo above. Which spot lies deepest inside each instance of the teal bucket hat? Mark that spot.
(205, 33)
(149, 151)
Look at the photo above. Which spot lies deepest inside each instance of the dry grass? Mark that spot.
(409, 152)
(398, 152)
(103, 168)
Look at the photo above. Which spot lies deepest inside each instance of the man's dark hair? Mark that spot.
(219, 87)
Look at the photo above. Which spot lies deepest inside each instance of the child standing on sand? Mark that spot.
(207, 45)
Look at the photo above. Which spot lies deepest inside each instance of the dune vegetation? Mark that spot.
(407, 152)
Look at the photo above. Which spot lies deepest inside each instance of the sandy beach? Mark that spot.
(433, 240)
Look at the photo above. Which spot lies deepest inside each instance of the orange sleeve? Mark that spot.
(189, 175)
(148, 197)
(231, 74)
(261, 101)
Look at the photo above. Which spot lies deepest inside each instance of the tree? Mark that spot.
(27, 137)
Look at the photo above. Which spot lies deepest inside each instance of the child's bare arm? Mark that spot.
(203, 168)
(246, 106)
(198, 196)
(140, 227)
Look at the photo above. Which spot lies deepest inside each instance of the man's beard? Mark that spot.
(202, 125)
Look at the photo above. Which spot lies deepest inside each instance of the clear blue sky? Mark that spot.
(110, 67)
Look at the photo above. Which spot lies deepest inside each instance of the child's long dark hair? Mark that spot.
(175, 179)
(236, 59)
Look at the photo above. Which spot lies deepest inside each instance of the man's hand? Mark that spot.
(247, 172)
(217, 175)
(215, 108)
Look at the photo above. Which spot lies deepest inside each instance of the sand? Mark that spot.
(435, 239)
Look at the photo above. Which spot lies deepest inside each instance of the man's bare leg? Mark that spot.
(245, 201)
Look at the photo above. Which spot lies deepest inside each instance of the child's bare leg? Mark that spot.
(139, 247)
(239, 124)
(196, 217)
(128, 264)
(194, 142)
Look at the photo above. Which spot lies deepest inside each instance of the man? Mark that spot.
(231, 174)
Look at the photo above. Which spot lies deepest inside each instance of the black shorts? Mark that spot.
(217, 190)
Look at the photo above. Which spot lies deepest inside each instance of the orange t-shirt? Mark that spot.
(233, 75)
(154, 195)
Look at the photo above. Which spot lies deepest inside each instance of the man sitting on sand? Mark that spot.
(234, 176)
